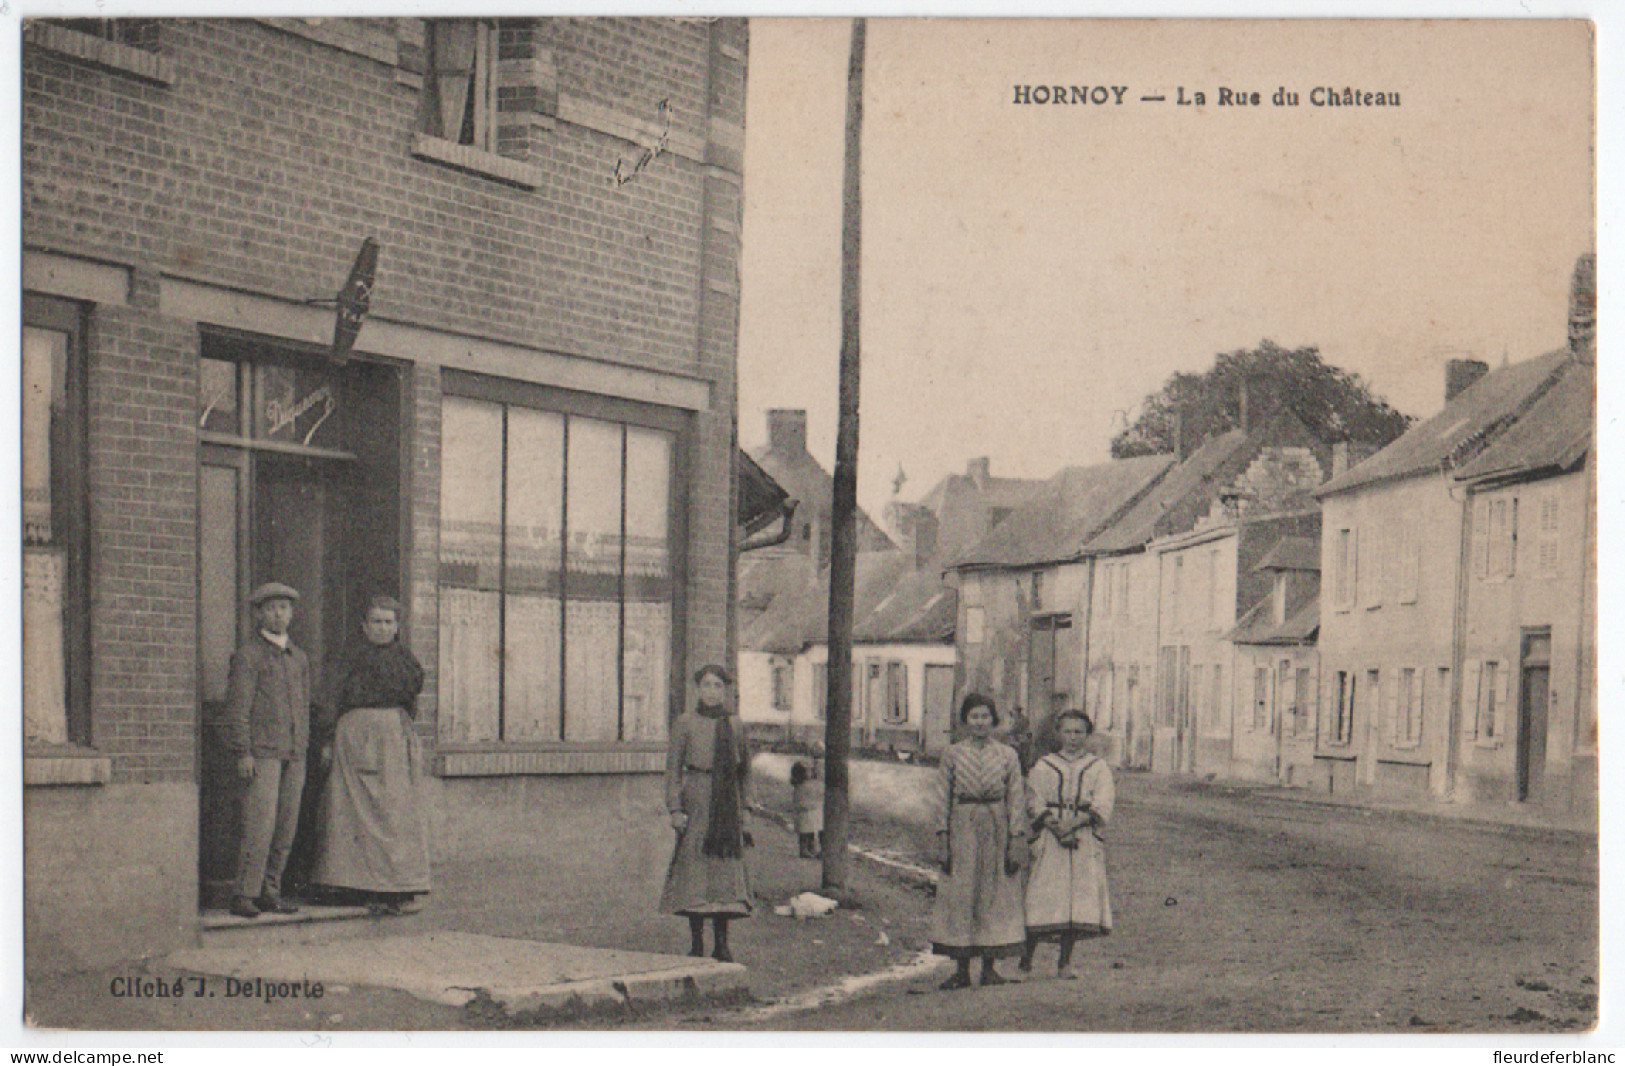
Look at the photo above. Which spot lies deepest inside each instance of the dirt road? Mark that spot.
(1237, 913)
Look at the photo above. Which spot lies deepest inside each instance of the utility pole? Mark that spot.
(844, 503)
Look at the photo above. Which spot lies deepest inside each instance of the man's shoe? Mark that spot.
(276, 905)
(243, 907)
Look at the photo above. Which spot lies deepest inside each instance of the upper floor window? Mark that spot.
(1345, 561)
(460, 91)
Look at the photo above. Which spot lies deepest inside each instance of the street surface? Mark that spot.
(1239, 913)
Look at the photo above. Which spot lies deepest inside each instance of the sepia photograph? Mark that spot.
(717, 525)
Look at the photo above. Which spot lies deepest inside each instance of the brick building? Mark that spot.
(530, 444)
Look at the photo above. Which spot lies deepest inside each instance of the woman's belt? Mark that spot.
(696, 769)
(978, 799)
(402, 710)
(1080, 805)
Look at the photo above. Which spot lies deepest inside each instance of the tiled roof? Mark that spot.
(1292, 553)
(1072, 507)
(1554, 434)
(1256, 626)
(1480, 411)
(893, 604)
(760, 497)
(1177, 501)
(805, 480)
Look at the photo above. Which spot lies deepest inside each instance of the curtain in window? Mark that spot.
(44, 399)
(533, 621)
(470, 570)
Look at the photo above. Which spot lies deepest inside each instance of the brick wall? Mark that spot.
(261, 165)
(143, 507)
(270, 156)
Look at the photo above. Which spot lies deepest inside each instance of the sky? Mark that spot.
(1031, 272)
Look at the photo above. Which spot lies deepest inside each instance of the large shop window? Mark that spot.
(558, 584)
(56, 644)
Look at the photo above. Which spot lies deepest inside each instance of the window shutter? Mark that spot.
(1510, 542)
(1470, 697)
(1393, 709)
(1546, 539)
(1354, 567)
(1481, 539)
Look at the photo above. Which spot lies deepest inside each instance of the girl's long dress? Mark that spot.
(1066, 889)
(374, 836)
(696, 883)
(978, 909)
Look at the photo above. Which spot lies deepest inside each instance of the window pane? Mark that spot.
(535, 488)
(469, 643)
(531, 679)
(217, 397)
(646, 685)
(592, 617)
(45, 714)
(296, 405)
(470, 570)
(44, 402)
(591, 689)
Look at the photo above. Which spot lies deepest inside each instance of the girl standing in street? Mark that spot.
(807, 797)
(978, 909)
(374, 838)
(1070, 797)
(706, 766)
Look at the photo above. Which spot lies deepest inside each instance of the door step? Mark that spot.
(311, 925)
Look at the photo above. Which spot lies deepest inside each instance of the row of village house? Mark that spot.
(1415, 622)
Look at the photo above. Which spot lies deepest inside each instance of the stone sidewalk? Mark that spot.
(455, 969)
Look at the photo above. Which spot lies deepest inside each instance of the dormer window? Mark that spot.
(1278, 597)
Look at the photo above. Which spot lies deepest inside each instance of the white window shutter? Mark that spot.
(1418, 706)
(1481, 538)
(1354, 567)
(1469, 696)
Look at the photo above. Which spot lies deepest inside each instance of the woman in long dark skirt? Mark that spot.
(374, 839)
(706, 765)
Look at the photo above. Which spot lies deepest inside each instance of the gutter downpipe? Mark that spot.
(1458, 646)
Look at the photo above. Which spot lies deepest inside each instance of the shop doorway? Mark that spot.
(299, 483)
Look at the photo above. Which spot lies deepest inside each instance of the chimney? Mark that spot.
(1350, 453)
(979, 470)
(1583, 309)
(1459, 374)
(925, 538)
(787, 431)
(1183, 432)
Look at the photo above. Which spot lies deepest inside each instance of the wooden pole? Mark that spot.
(844, 502)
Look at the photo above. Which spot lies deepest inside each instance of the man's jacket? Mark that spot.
(268, 701)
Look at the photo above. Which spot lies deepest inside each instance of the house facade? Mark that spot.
(528, 441)
(902, 659)
(1277, 667)
(1457, 603)
(1528, 717)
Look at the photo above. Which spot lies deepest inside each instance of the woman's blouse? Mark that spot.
(386, 675)
(982, 773)
(1061, 785)
(692, 747)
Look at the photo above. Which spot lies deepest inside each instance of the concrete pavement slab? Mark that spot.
(453, 967)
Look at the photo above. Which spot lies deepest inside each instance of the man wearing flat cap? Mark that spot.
(267, 719)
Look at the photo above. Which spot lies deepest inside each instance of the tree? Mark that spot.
(1333, 403)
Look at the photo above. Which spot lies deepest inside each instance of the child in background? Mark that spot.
(807, 796)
